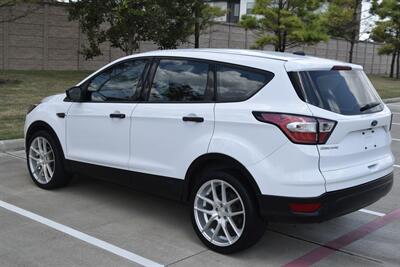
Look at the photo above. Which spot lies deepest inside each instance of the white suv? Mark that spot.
(245, 137)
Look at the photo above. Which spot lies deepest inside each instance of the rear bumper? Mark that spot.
(333, 204)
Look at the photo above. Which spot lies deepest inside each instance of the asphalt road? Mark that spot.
(94, 223)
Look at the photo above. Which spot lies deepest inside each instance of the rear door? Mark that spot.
(175, 125)
(358, 149)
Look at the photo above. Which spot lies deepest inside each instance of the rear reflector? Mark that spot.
(299, 129)
(305, 207)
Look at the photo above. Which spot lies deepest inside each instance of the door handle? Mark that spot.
(193, 119)
(117, 115)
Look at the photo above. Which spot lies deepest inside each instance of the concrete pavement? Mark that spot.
(160, 230)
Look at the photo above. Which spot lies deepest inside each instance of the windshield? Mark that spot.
(347, 92)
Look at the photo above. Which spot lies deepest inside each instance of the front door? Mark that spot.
(98, 130)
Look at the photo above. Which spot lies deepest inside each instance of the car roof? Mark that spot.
(293, 62)
(266, 60)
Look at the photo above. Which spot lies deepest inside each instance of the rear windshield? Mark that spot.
(347, 92)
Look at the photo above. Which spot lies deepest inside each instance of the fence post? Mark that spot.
(6, 27)
(373, 58)
(210, 36)
(46, 37)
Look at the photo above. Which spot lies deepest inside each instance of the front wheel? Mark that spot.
(45, 161)
(224, 213)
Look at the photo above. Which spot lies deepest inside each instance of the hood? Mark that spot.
(54, 98)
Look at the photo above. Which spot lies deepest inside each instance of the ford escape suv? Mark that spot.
(245, 137)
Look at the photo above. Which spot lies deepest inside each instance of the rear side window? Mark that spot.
(180, 80)
(347, 92)
(239, 83)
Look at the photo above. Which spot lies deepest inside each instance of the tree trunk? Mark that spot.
(352, 42)
(355, 24)
(398, 64)
(392, 64)
(196, 29)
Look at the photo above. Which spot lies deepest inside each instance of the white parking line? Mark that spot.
(81, 236)
(392, 104)
(372, 212)
(396, 139)
(395, 123)
(397, 113)
(397, 166)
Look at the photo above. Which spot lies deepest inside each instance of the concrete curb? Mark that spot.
(391, 100)
(12, 145)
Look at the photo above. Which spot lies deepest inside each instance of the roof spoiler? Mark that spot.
(300, 53)
(338, 67)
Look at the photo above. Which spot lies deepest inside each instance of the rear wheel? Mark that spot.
(45, 161)
(224, 214)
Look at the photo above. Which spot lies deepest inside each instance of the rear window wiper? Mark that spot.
(369, 106)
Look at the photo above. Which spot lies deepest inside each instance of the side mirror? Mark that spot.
(75, 94)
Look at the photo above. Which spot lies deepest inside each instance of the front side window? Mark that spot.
(239, 83)
(180, 80)
(118, 83)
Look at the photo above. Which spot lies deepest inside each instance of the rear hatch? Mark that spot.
(358, 149)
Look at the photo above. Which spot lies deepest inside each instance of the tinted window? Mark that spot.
(179, 80)
(117, 83)
(347, 92)
(238, 84)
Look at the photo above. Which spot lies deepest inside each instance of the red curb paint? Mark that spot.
(329, 248)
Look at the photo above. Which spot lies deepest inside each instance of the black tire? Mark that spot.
(60, 177)
(254, 227)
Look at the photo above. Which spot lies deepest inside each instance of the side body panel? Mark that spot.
(47, 112)
(164, 144)
(278, 166)
(93, 137)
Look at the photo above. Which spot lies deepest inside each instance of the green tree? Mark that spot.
(286, 24)
(126, 23)
(387, 30)
(342, 19)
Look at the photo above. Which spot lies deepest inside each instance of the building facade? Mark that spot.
(234, 9)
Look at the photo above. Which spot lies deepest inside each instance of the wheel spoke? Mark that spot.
(212, 218)
(230, 202)
(206, 199)
(235, 213)
(45, 171)
(44, 147)
(223, 192)
(234, 227)
(216, 231)
(214, 192)
(49, 170)
(39, 143)
(35, 150)
(32, 157)
(226, 233)
(209, 212)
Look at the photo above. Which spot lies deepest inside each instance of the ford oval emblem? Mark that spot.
(374, 123)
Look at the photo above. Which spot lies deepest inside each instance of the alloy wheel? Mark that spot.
(41, 160)
(219, 212)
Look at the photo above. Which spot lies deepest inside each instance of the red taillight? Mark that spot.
(299, 129)
(305, 207)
